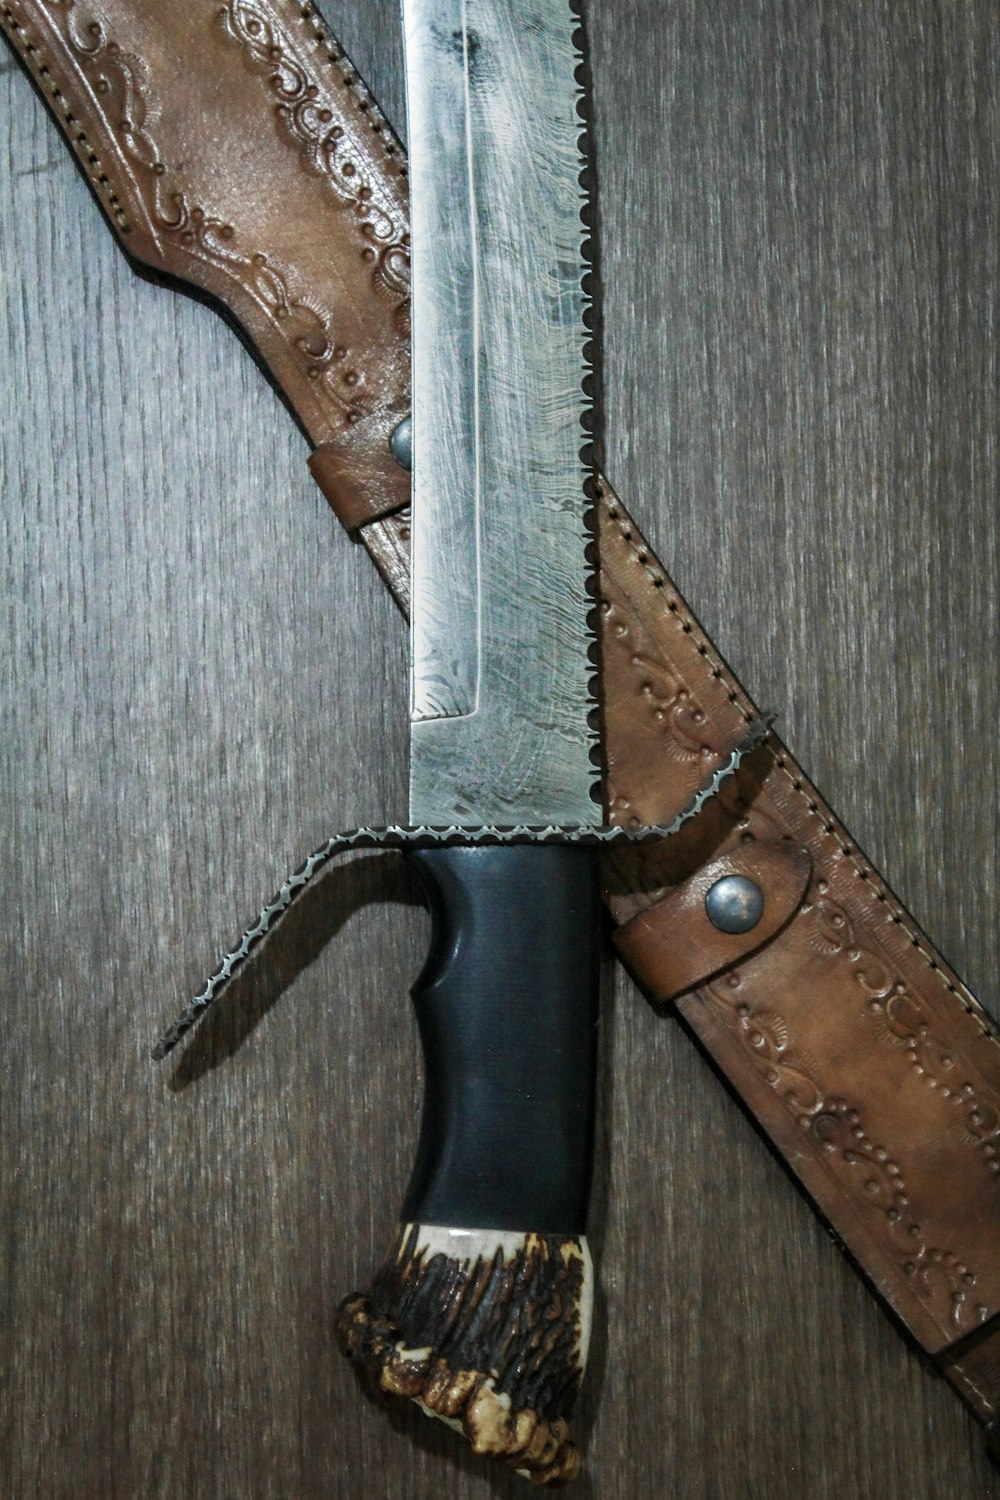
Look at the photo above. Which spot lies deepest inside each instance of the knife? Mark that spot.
(481, 1312)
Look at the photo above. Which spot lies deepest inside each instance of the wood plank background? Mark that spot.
(201, 679)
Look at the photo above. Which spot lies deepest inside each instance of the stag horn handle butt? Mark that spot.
(487, 1326)
(487, 1332)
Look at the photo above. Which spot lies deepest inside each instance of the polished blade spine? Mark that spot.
(502, 699)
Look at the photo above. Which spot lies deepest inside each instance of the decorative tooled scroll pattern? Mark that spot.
(901, 1019)
(861, 1165)
(669, 703)
(814, 816)
(119, 84)
(685, 737)
(311, 118)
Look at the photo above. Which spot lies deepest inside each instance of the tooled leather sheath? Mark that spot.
(871, 1067)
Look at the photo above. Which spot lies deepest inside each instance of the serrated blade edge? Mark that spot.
(502, 701)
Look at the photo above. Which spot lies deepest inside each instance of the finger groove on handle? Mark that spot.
(486, 1325)
(507, 1010)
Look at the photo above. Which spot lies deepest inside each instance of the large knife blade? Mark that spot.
(502, 696)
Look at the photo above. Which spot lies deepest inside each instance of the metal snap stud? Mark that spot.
(735, 904)
(401, 444)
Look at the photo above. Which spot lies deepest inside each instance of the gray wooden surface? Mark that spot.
(200, 679)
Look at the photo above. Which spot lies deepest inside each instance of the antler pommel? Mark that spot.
(486, 1330)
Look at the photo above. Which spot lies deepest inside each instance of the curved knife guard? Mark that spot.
(481, 1312)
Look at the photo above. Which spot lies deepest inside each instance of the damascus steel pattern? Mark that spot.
(503, 706)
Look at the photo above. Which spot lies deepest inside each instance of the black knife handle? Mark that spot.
(481, 1311)
(507, 1010)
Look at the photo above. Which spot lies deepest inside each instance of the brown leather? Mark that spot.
(675, 946)
(358, 475)
(974, 1370)
(870, 1066)
(303, 244)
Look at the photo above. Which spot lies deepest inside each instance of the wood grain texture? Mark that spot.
(800, 252)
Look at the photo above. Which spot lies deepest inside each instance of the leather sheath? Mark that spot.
(870, 1066)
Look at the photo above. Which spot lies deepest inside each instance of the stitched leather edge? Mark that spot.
(673, 608)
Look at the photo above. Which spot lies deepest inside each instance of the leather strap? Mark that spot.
(359, 476)
(677, 947)
(871, 1067)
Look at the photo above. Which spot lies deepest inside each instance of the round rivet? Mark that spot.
(401, 444)
(735, 904)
